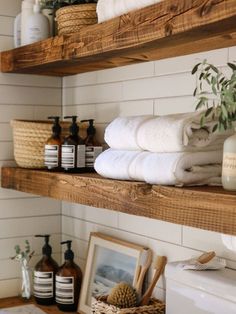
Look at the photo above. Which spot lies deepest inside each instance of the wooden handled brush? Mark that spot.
(145, 262)
(159, 268)
(206, 257)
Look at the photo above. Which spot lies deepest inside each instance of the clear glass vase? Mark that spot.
(26, 280)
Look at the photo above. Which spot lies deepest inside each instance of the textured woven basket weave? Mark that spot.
(72, 18)
(29, 138)
(99, 306)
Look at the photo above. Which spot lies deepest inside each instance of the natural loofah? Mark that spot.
(123, 296)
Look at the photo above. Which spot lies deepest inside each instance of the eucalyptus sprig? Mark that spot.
(23, 255)
(220, 100)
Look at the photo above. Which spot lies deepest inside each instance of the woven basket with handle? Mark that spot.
(72, 18)
(29, 138)
(99, 306)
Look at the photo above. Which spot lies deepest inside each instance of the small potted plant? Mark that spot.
(216, 92)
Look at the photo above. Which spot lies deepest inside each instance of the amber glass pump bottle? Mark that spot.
(68, 282)
(52, 151)
(73, 149)
(92, 147)
(44, 275)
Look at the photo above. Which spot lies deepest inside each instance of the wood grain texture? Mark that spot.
(16, 301)
(209, 208)
(166, 29)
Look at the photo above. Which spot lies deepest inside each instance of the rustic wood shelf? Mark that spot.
(17, 301)
(167, 29)
(209, 208)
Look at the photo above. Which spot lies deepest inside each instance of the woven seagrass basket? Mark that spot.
(99, 306)
(29, 138)
(72, 18)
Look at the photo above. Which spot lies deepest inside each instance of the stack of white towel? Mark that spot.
(168, 150)
(108, 9)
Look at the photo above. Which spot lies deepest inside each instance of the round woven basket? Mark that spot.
(99, 306)
(29, 138)
(72, 18)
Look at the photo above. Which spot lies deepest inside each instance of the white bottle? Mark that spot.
(17, 31)
(37, 25)
(26, 11)
(50, 15)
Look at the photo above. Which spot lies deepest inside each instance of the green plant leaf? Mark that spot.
(215, 127)
(232, 66)
(194, 70)
(208, 112)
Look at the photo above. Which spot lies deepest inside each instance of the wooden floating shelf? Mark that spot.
(17, 301)
(167, 29)
(209, 208)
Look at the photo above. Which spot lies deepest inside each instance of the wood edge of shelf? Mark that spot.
(209, 208)
(121, 44)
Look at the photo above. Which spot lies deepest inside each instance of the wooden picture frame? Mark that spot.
(109, 261)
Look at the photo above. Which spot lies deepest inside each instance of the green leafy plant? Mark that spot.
(56, 4)
(216, 93)
(23, 255)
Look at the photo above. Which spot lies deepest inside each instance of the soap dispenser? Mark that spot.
(44, 275)
(68, 282)
(52, 151)
(73, 149)
(37, 25)
(92, 147)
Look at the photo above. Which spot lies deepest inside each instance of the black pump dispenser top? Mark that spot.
(74, 129)
(91, 129)
(69, 255)
(47, 249)
(56, 128)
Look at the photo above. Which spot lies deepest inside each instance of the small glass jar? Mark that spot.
(229, 164)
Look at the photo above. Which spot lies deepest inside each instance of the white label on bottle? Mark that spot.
(64, 290)
(68, 156)
(229, 165)
(43, 284)
(92, 153)
(51, 156)
(80, 156)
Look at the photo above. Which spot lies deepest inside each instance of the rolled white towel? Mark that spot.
(108, 9)
(179, 132)
(183, 168)
(121, 132)
(115, 164)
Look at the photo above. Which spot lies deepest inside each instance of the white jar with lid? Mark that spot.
(26, 12)
(229, 164)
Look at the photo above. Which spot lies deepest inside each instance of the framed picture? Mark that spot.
(109, 262)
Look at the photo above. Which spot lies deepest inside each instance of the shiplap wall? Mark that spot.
(160, 87)
(23, 215)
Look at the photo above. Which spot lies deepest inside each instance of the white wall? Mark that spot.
(23, 215)
(160, 87)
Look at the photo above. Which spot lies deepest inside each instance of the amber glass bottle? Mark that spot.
(52, 151)
(68, 282)
(92, 147)
(44, 275)
(73, 149)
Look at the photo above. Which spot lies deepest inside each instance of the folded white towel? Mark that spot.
(115, 164)
(186, 168)
(161, 168)
(179, 132)
(121, 132)
(108, 9)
